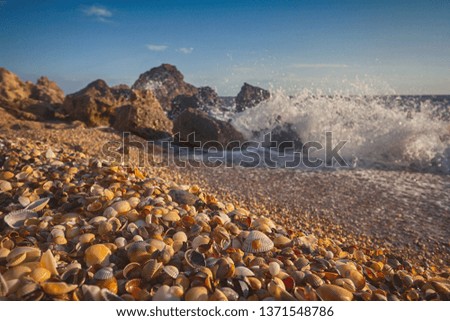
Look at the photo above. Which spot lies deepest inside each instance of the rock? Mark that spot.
(47, 91)
(205, 99)
(250, 96)
(26, 100)
(166, 82)
(94, 105)
(207, 129)
(147, 120)
(282, 137)
(183, 197)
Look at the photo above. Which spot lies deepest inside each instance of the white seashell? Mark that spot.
(49, 154)
(16, 219)
(243, 271)
(274, 268)
(257, 242)
(38, 205)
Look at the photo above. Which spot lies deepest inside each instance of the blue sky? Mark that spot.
(401, 46)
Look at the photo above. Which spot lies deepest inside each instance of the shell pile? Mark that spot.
(77, 228)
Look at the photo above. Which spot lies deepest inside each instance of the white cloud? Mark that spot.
(320, 66)
(156, 47)
(186, 50)
(101, 13)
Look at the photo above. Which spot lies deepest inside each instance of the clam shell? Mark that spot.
(38, 205)
(22, 254)
(97, 254)
(121, 207)
(197, 293)
(346, 284)
(16, 219)
(151, 269)
(243, 271)
(5, 186)
(58, 288)
(330, 292)
(138, 252)
(48, 262)
(168, 293)
(40, 275)
(257, 242)
(314, 280)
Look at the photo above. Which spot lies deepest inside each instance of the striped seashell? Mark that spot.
(104, 273)
(257, 242)
(16, 219)
(38, 205)
(243, 271)
(171, 271)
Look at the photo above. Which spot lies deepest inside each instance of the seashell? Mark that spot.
(197, 293)
(313, 280)
(330, 292)
(110, 212)
(49, 154)
(121, 207)
(171, 271)
(74, 275)
(151, 268)
(6, 175)
(48, 262)
(231, 294)
(86, 238)
(107, 295)
(22, 254)
(16, 272)
(257, 242)
(120, 242)
(38, 205)
(104, 273)
(282, 241)
(5, 186)
(200, 240)
(346, 284)
(224, 268)
(194, 258)
(301, 263)
(4, 289)
(358, 279)
(138, 252)
(110, 284)
(274, 268)
(97, 254)
(180, 237)
(94, 206)
(24, 200)
(243, 271)
(57, 288)
(16, 219)
(30, 292)
(172, 216)
(40, 275)
(218, 295)
(168, 293)
(91, 292)
(278, 292)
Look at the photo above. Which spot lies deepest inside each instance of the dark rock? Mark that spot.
(250, 96)
(282, 137)
(215, 132)
(205, 99)
(166, 82)
(147, 120)
(47, 91)
(183, 197)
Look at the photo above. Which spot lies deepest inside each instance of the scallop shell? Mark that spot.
(16, 219)
(22, 254)
(257, 242)
(97, 254)
(314, 280)
(330, 292)
(38, 205)
(58, 288)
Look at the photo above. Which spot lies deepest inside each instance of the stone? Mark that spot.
(250, 96)
(166, 82)
(215, 132)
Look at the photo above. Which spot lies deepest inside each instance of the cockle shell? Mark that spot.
(257, 242)
(38, 205)
(58, 288)
(97, 254)
(330, 292)
(16, 219)
(197, 293)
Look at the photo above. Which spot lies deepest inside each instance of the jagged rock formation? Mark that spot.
(249, 96)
